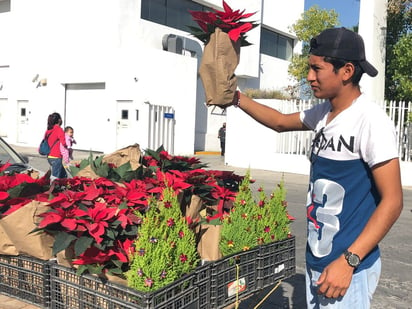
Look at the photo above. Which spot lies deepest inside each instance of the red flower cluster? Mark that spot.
(229, 21)
(98, 217)
(17, 190)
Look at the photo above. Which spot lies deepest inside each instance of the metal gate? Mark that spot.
(161, 128)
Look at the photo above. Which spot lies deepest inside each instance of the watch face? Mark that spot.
(353, 260)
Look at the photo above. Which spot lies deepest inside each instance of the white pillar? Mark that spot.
(372, 27)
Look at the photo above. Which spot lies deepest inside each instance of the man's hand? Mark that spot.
(335, 278)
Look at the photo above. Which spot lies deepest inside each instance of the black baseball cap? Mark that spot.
(343, 44)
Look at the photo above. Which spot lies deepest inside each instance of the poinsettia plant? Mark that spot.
(96, 218)
(100, 218)
(230, 21)
(18, 189)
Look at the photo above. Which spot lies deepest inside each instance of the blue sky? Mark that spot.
(348, 10)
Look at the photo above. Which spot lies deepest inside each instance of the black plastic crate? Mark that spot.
(203, 281)
(276, 261)
(240, 267)
(26, 278)
(70, 291)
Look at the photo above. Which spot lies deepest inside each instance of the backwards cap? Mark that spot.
(343, 44)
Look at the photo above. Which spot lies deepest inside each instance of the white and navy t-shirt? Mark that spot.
(342, 195)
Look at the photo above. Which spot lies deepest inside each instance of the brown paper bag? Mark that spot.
(87, 172)
(130, 154)
(6, 245)
(217, 68)
(20, 223)
(208, 235)
(208, 247)
(65, 257)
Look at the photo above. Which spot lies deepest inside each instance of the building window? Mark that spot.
(275, 45)
(125, 114)
(171, 13)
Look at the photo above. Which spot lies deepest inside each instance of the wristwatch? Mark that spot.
(352, 258)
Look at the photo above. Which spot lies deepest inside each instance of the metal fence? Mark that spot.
(299, 142)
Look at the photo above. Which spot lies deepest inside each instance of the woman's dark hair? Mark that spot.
(52, 120)
(339, 63)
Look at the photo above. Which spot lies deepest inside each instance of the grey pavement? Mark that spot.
(395, 286)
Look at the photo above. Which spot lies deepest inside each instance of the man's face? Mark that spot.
(325, 83)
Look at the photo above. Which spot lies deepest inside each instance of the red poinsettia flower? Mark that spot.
(16, 203)
(91, 256)
(4, 166)
(67, 218)
(3, 196)
(99, 215)
(229, 20)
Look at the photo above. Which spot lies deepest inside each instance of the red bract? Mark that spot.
(92, 256)
(15, 204)
(4, 167)
(66, 218)
(228, 20)
(10, 181)
(174, 179)
(96, 221)
(4, 196)
(127, 217)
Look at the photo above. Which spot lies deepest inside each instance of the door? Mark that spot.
(124, 124)
(23, 121)
(86, 106)
(130, 124)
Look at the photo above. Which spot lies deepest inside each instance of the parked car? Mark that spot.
(19, 163)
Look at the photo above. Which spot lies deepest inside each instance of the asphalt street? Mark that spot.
(395, 286)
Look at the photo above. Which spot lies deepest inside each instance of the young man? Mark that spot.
(355, 192)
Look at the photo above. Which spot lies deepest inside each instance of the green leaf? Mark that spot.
(115, 271)
(24, 190)
(95, 269)
(74, 170)
(82, 244)
(111, 234)
(62, 241)
(123, 169)
(123, 205)
(102, 170)
(81, 269)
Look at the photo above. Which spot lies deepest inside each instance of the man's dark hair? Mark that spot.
(339, 63)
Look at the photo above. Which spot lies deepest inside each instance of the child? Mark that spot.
(67, 153)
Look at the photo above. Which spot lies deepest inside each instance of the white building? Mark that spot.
(124, 72)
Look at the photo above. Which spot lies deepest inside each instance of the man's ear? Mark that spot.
(348, 71)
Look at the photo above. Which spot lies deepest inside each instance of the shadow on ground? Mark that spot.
(289, 294)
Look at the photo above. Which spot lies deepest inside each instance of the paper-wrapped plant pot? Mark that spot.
(217, 69)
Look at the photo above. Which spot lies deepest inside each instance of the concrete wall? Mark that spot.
(372, 27)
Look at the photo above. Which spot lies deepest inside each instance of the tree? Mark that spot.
(401, 66)
(313, 21)
(398, 57)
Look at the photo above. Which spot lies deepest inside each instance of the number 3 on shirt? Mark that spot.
(324, 223)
